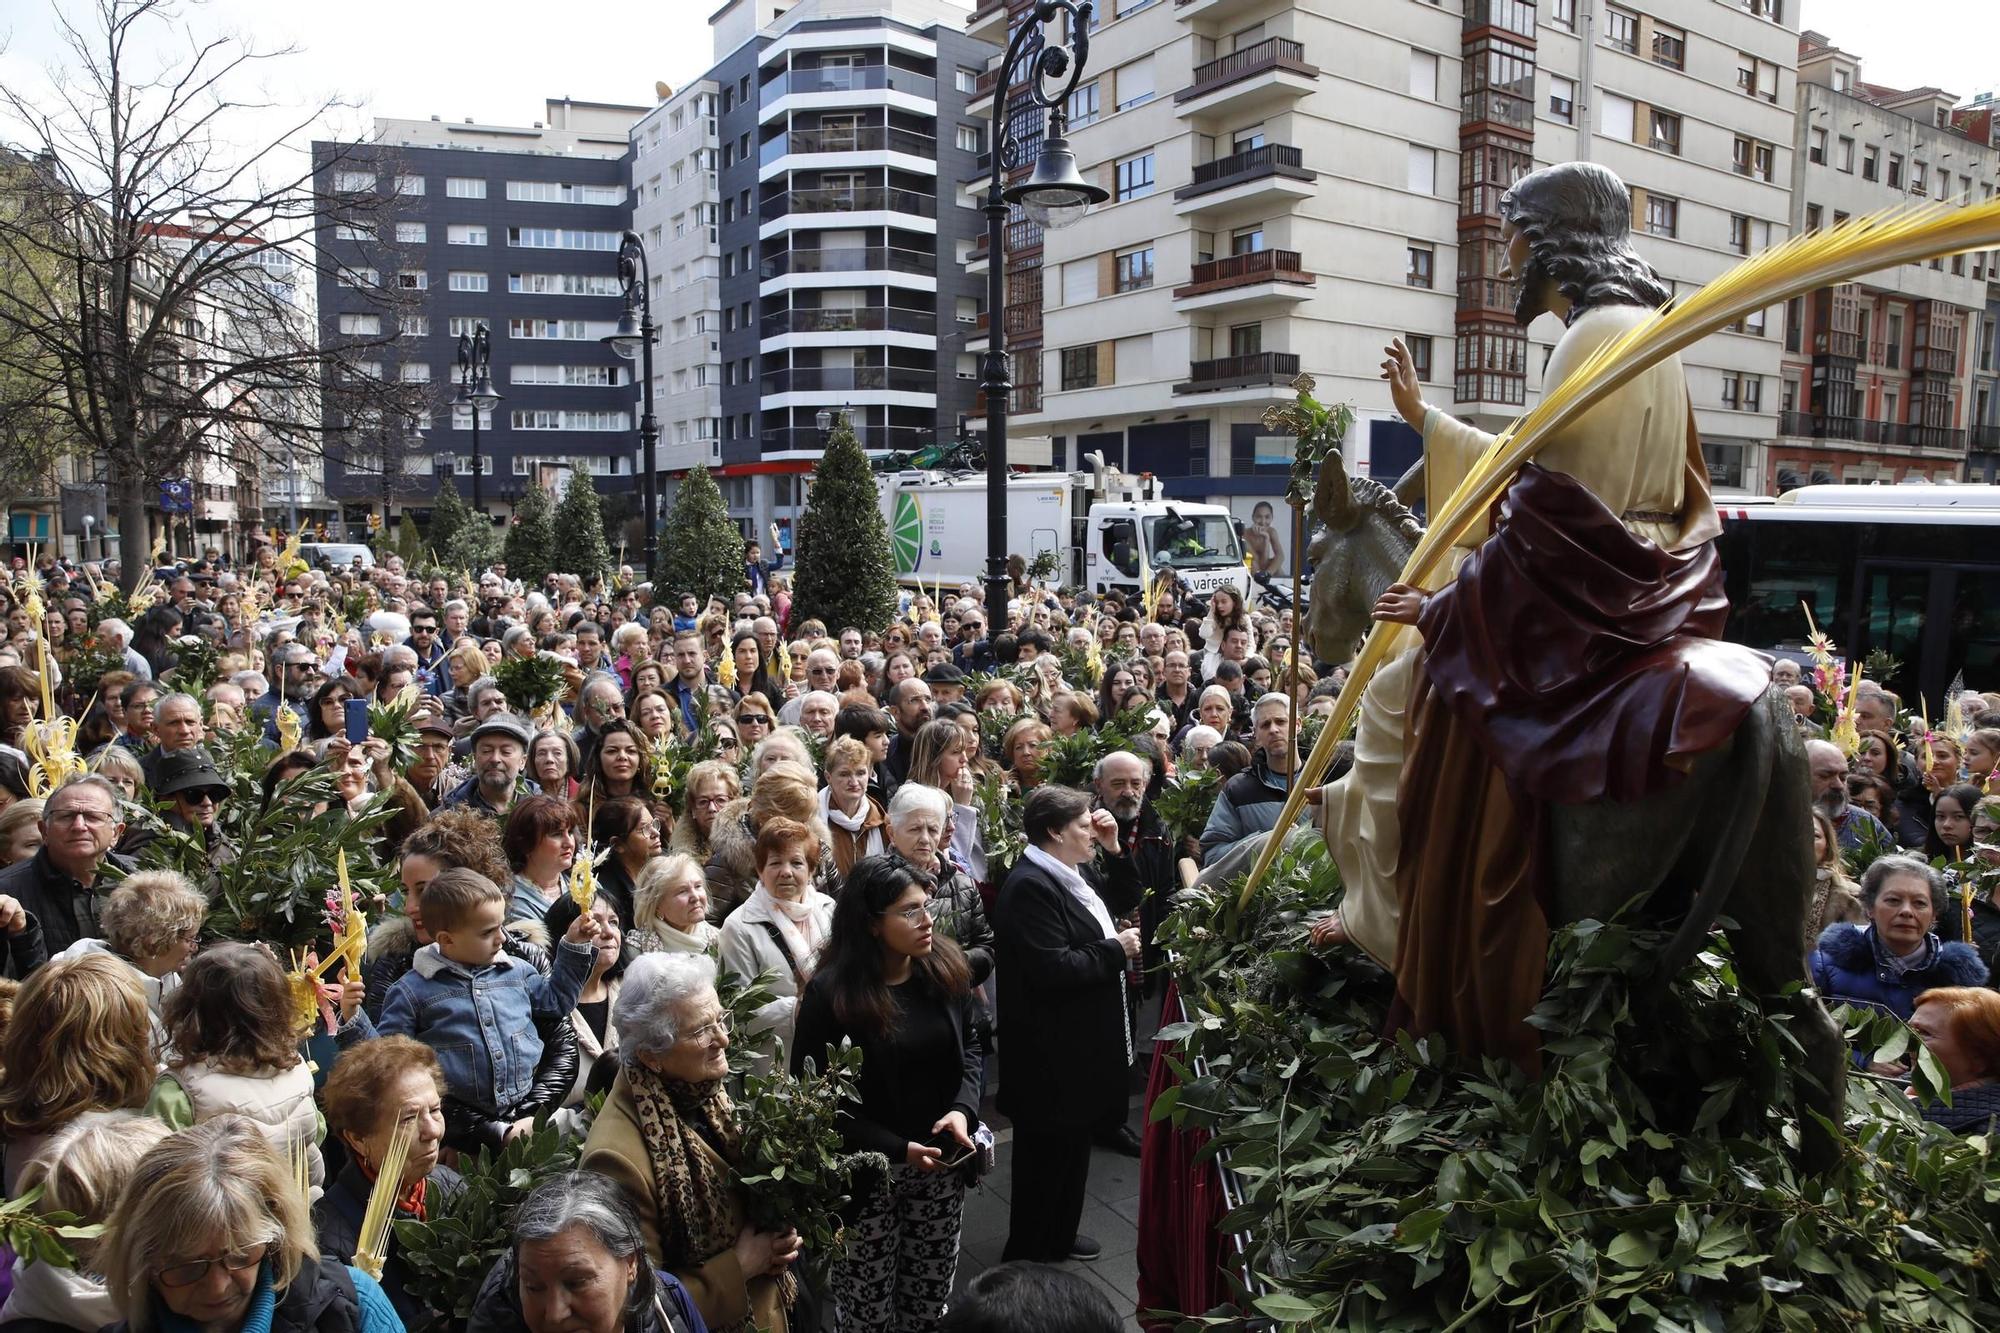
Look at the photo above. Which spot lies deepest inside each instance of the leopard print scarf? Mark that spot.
(690, 1192)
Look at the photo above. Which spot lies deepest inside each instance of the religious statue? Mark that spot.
(1565, 732)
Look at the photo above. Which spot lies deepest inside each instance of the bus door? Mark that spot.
(1936, 620)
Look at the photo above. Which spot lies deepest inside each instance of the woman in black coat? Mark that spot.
(1062, 968)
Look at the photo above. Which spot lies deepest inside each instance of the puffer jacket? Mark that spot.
(1846, 970)
(337, 1225)
(392, 947)
(280, 1105)
(732, 862)
(959, 912)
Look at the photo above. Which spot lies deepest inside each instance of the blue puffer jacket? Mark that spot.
(1846, 970)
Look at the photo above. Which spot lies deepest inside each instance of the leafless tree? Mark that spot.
(157, 278)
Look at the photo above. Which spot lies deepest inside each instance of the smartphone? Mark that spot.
(357, 721)
(955, 1153)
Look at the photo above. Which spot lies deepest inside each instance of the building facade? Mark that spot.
(1294, 183)
(516, 229)
(824, 149)
(1882, 378)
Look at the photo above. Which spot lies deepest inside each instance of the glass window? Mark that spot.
(1135, 269)
(1663, 215)
(1420, 265)
(1134, 83)
(464, 187)
(1621, 29)
(1562, 99)
(1079, 367)
(1083, 105)
(1135, 177)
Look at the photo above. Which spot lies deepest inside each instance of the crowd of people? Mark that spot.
(863, 828)
(763, 804)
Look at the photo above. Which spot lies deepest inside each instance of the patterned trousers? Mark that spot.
(902, 1250)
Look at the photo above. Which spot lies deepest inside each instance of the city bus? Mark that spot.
(1911, 570)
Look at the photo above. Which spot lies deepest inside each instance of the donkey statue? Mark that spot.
(1732, 840)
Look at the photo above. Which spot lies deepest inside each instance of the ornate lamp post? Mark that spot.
(634, 337)
(475, 390)
(1053, 196)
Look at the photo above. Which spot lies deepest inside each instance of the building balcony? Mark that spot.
(864, 145)
(845, 86)
(849, 319)
(1934, 361)
(1256, 80)
(865, 206)
(1202, 12)
(850, 259)
(1254, 370)
(1837, 342)
(849, 379)
(874, 439)
(988, 23)
(1862, 430)
(1985, 438)
(1262, 276)
(1247, 183)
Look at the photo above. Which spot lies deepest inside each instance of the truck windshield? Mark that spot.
(1193, 540)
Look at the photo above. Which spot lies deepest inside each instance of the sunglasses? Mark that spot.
(752, 720)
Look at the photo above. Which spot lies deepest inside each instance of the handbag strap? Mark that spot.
(778, 938)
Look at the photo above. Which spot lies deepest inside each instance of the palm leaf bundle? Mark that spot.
(1803, 264)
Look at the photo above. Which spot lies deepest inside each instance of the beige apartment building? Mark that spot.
(1296, 182)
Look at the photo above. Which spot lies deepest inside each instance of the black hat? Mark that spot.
(435, 724)
(944, 673)
(187, 770)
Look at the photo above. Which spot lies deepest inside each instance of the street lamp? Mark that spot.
(1053, 196)
(634, 338)
(414, 441)
(475, 390)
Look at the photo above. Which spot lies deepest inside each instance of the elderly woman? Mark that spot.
(786, 744)
(790, 790)
(80, 1040)
(1960, 1025)
(151, 922)
(670, 908)
(212, 1234)
(375, 1086)
(553, 763)
(578, 1264)
(854, 819)
(919, 820)
(668, 1135)
(711, 785)
(778, 931)
(1897, 956)
(1021, 751)
(80, 1171)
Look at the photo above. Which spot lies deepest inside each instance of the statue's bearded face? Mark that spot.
(1521, 268)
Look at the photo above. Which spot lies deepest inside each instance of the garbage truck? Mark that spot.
(1109, 530)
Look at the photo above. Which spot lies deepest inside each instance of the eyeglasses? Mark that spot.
(709, 1031)
(90, 817)
(728, 743)
(187, 1274)
(711, 802)
(205, 796)
(916, 916)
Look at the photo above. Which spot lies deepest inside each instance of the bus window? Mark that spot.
(1975, 626)
(1898, 605)
(1773, 568)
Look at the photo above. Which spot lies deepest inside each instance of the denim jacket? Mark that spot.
(481, 1022)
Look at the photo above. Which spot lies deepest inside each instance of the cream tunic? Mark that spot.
(1638, 452)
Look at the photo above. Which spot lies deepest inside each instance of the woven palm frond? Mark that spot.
(1803, 264)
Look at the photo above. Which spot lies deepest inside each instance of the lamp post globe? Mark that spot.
(628, 338)
(1055, 194)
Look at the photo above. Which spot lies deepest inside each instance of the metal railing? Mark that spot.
(1269, 54)
(850, 259)
(849, 319)
(849, 79)
(1271, 159)
(1863, 430)
(848, 139)
(1257, 266)
(1244, 371)
(865, 199)
(859, 379)
(902, 438)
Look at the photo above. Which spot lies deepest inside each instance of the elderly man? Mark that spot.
(1251, 801)
(59, 885)
(432, 758)
(499, 755)
(822, 674)
(911, 706)
(1138, 877)
(298, 676)
(177, 729)
(485, 700)
(227, 706)
(188, 781)
(399, 672)
(818, 709)
(1785, 673)
(1195, 746)
(1852, 825)
(115, 636)
(600, 701)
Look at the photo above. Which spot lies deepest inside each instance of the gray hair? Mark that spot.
(455, 604)
(1220, 690)
(514, 634)
(478, 690)
(1271, 699)
(1199, 735)
(915, 798)
(399, 657)
(113, 625)
(600, 681)
(790, 739)
(655, 985)
(1097, 770)
(629, 633)
(1885, 868)
(160, 706)
(81, 782)
(597, 1203)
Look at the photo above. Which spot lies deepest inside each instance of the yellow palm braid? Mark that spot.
(1803, 264)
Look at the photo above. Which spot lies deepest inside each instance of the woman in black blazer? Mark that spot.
(1061, 962)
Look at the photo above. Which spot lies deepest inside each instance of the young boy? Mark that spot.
(474, 1004)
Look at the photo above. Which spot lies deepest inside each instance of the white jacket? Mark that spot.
(747, 952)
(280, 1104)
(59, 1295)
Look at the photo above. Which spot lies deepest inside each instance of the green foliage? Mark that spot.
(473, 547)
(38, 1237)
(795, 1170)
(1045, 566)
(1000, 827)
(1882, 668)
(197, 662)
(529, 682)
(701, 550)
(395, 724)
(578, 527)
(530, 548)
(845, 570)
(1649, 1179)
(85, 667)
(1185, 802)
(449, 513)
(451, 1251)
(1079, 667)
(1071, 760)
(274, 889)
(1319, 430)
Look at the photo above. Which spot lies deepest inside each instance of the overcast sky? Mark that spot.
(496, 61)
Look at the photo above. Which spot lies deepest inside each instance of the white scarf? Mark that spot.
(833, 814)
(672, 939)
(796, 921)
(1069, 878)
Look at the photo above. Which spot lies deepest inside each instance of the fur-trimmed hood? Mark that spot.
(394, 935)
(1852, 948)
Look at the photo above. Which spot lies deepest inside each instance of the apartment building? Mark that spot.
(831, 137)
(514, 228)
(1881, 376)
(1296, 182)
